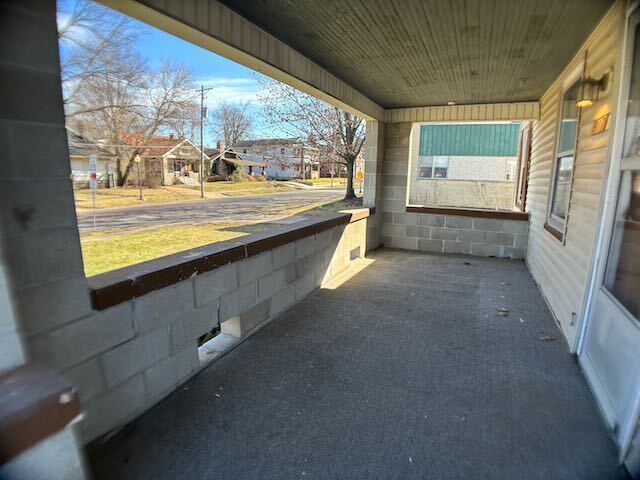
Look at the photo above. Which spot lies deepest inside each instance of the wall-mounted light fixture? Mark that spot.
(590, 89)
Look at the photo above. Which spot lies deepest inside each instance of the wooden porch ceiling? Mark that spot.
(407, 53)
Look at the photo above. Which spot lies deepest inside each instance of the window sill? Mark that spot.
(555, 233)
(118, 286)
(470, 212)
(35, 403)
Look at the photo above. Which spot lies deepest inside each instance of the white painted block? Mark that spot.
(135, 356)
(168, 374)
(212, 285)
(114, 408)
(254, 268)
(87, 378)
(71, 344)
(158, 308)
(270, 285)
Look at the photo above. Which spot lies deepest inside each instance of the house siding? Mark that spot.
(562, 270)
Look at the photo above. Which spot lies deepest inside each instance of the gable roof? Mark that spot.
(157, 145)
(82, 147)
(231, 156)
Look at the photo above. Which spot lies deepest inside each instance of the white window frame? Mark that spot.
(557, 223)
(433, 167)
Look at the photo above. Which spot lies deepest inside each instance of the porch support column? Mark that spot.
(373, 155)
(42, 283)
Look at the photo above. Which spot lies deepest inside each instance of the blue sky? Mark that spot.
(230, 81)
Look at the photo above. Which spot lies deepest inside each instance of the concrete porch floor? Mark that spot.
(404, 371)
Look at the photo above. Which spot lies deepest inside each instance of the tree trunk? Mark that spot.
(119, 179)
(121, 176)
(350, 192)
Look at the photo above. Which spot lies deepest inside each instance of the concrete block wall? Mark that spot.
(11, 349)
(42, 284)
(125, 359)
(486, 237)
(434, 232)
(373, 159)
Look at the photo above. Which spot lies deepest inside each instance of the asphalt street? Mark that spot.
(253, 207)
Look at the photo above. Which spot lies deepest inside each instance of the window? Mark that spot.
(178, 166)
(564, 161)
(282, 151)
(433, 167)
(244, 150)
(522, 168)
(464, 165)
(623, 265)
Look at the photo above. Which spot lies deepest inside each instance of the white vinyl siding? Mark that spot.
(562, 270)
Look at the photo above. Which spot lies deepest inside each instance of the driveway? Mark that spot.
(253, 207)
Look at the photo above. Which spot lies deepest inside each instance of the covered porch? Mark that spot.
(403, 368)
(400, 340)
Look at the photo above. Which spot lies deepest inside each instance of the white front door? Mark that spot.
(610, 355)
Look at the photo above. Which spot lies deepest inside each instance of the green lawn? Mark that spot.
(126, 197)
(106, 250)
(326, 182)
(104, 253)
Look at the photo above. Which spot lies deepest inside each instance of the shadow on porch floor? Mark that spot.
(404, 371)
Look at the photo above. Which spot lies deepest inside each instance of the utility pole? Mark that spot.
(302, 160)
(202, 90)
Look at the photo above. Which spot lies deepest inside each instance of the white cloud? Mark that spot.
(231, 89)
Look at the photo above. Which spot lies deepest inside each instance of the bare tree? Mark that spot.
(187, 122)
(232, 122)
(120, 101)
(87, 32)
(298, 114)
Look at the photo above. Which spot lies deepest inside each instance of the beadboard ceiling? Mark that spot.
(407, 53)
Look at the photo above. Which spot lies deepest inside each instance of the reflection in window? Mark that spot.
(623, 267)
(562, 187)
(433, 167)
(466, 165)
(632, 134)
(563, 170)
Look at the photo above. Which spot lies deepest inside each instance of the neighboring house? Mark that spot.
(456, 167)
(80, 151)
(166, 160)
(466, 165)
(225, 163)
(283, 156)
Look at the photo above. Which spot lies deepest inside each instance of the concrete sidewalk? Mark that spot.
(404, 371)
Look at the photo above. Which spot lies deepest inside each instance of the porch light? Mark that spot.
(589, 90)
